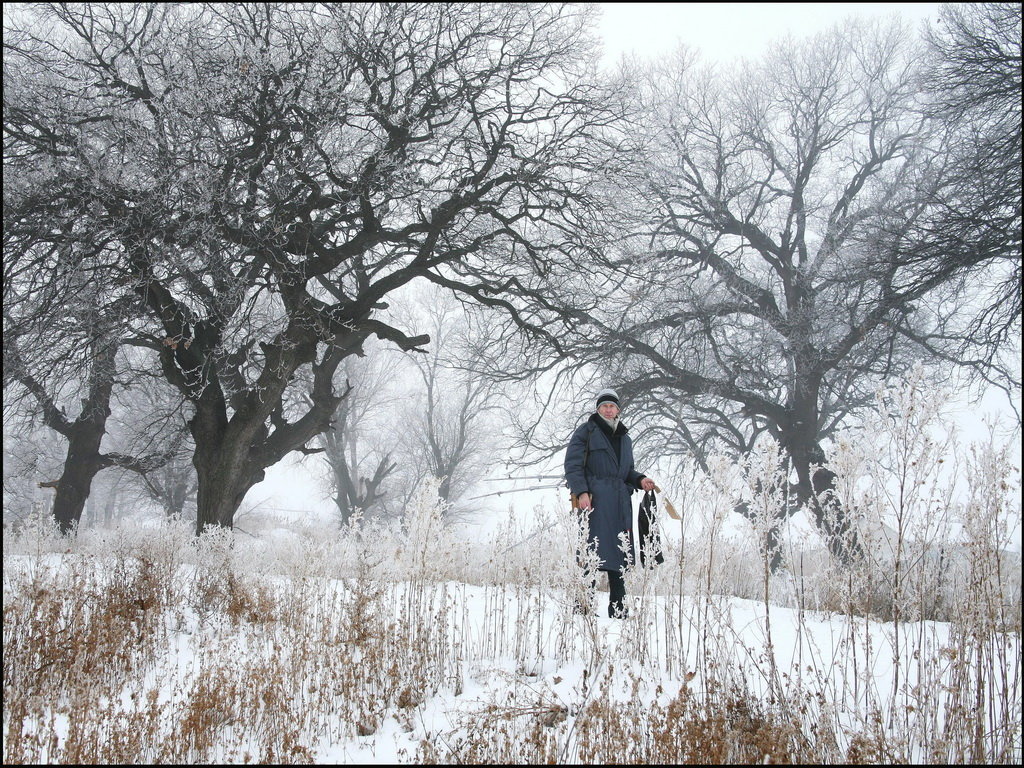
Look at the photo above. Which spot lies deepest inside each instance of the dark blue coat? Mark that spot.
(609, 479)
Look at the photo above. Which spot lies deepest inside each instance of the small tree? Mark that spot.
(452, 416)
(32, 454)
(359, 446)
(148, 417)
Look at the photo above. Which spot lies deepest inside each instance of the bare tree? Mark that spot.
(264, 176)
(454, 422)
(360, 444)
(973, 233)
(770, 286)
(173, 485)
(147, 419)
(46, 370)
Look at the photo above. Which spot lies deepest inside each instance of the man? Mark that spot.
(599, 469)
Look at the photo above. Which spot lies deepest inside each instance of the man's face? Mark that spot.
(608, 410)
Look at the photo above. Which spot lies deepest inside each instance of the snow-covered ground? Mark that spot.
(404, 645)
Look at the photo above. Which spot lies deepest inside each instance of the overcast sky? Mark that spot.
(726, 31)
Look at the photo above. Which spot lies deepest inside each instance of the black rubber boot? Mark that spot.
(617, 596)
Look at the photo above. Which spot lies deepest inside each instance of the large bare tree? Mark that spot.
(774, 276)
(262, 177)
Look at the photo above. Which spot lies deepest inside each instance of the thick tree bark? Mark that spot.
(83, 463)
(222, 487)
(224, 459)
(444, 488)
(232, 453)
(84, 435)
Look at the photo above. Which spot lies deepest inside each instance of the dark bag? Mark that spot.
(647, 528)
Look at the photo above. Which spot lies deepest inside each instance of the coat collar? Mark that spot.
(603, 425)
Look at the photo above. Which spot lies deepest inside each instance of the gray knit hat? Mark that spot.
(607, 396)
